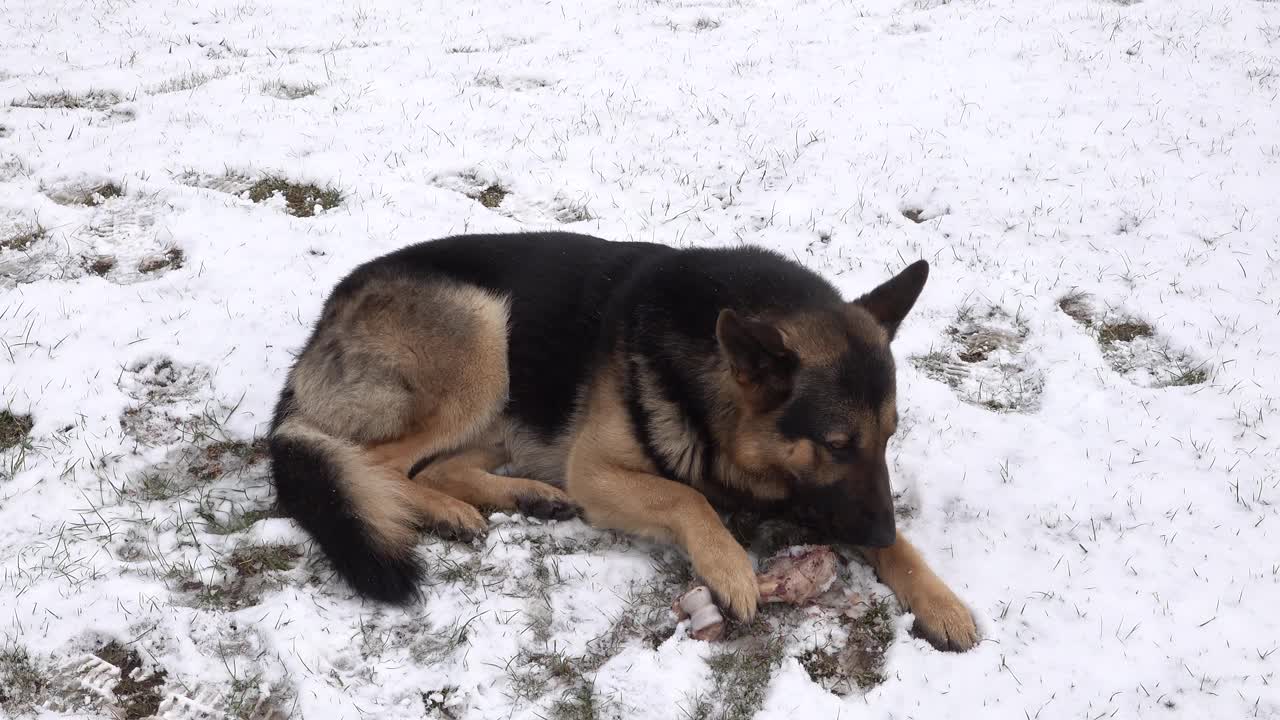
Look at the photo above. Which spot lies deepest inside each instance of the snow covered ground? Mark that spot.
(1088, 386)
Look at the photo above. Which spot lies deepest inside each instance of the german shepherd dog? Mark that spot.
(640, 385)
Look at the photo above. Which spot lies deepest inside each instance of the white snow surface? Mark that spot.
(1116, 536)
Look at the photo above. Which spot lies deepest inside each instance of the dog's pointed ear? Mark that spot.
(758, 356)
(891, 302)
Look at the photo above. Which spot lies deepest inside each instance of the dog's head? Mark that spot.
(816, 403)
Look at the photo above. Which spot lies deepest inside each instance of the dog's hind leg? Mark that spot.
(469, 476)
(398, 368)
(941, 618)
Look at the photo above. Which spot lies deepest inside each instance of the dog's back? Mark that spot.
(558, 286)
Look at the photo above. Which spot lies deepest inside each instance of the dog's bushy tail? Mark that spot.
(355, 510)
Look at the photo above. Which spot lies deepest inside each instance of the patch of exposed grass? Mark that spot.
(492, 45)
(465, 572)
(979, 345)
(984, 362)
(63, 100)
(1177, 369)
(192, 467)
(1110, 329)
(22, 683)
(300, 199)
(1112, 332)
(938, 365)
(979, 334)
(289, 91)
(92, 196)
(1076, 305)
(533, 674)
(740, 678)
(171, 260)
(1133, 347)
(217, 458)
(1193, 376)
(163, 412)
(436, 645)
(869, 639)
(436, 703)
(245, 700)
(100, 265)
(14, 429)
(647, 618)
(158, 483)
(254, 560)
(133, 547)
(824, 668)
(188, 82)
(24, 239)
(246, 452)
(230, 181)
(250, 572)
(492, 196)
(137, 695)
(915, 215)
(577, 703)
(238, 522)
(571, 211)
(122, 115)
(706, 23)
(99, 194)
(859, 663)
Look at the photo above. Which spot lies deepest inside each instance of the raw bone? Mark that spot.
(798, 575)
(794, 576)
(705, 620)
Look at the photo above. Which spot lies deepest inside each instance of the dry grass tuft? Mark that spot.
(492, 196)
(14, 429)
(24, 239)
(63, 100)
(301, 199)
(137, 695)
(171, 260)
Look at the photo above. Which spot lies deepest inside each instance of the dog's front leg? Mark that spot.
(667, 511)
(941, 618)
(610, 477)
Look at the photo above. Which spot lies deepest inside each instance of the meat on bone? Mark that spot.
(795, 576)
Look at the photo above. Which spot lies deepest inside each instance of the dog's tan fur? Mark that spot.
(395, 327)
(941, 618)
(617, 487)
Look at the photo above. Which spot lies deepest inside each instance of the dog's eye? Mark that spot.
(838, 445)
(842, 450)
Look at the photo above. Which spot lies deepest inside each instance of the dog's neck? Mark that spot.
(690, 449)
(759, 486)
(727, 471)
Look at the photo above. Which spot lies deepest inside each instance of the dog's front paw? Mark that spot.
(548, 503)
(943, 620)
(726, 568)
